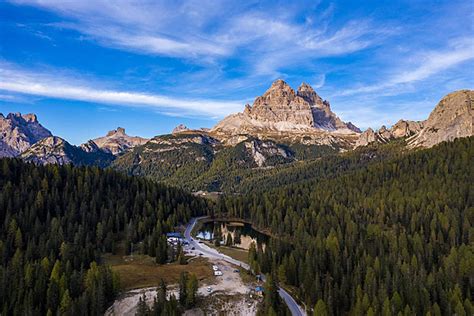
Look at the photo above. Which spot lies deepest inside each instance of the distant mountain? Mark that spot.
(400, 130)
(55, 150)
(281, 128)
(18, 132)
(451, 118)
(180, 128)
(283, 114)
(117, 141)
(196, 160)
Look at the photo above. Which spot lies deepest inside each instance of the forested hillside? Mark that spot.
(393, 237)
(58, 220)
(329, 166)
(195, 161)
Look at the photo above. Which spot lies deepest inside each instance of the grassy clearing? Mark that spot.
(141, 271)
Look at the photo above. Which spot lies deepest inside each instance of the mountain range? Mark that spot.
(281, 127)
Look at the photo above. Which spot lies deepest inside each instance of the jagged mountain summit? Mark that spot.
(399, 130)
(282, 127)
(18, 132)
(180, 128)
(451, 118)
(282, 112)
(55, 150)
(117, 141)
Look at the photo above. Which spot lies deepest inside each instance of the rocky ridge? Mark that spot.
(452, 118)
(55, 150)
(399, 130)
(282, 126)
(18, 132)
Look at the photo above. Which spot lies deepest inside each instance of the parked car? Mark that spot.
(193, 248)
(209, 289)
(236, 271)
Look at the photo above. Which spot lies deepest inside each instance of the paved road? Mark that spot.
(295, 309)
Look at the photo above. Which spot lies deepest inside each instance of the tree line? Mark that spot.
(57, 221)
(392, 238)
(165, 304)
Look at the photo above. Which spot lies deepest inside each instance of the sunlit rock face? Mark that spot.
(283, 113)
(18, 132)
(117, 141)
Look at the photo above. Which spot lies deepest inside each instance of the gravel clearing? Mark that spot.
(229, 294)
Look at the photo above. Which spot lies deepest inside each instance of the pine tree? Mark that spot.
(320, 309)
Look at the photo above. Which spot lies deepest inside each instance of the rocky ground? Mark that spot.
(229, 293)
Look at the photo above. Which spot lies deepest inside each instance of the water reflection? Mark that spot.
(237, 234)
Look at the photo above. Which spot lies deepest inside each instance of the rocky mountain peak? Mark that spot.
(279, 84)
(12, 116)
(279, 93)
(30, 117)
(452, 118)
(117, 141)
(180, 128)
(283, 113)
(18, 132)
(120, 131)
(307, 92)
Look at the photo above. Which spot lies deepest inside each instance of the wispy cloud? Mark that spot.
(144, 27)
(422, 66)
(13, 79)
(33, 31)
(272, 43)
(367, 62)
(264, 41)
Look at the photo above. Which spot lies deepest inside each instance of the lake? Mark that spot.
(242, 234)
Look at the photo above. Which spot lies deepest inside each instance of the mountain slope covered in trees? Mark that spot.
(57, 221)
(195, 161)
(392, 237)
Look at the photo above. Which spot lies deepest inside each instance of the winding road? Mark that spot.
(295, 309)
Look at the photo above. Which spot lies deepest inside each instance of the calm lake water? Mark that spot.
(242, 233)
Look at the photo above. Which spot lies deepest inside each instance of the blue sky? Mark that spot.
(86, 67)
